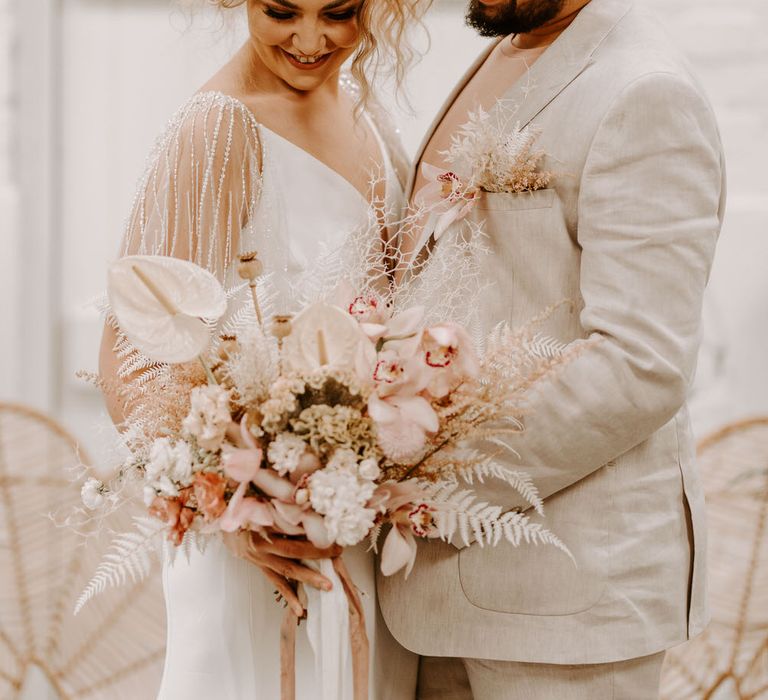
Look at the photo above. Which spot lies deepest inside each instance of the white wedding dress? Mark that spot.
(216, 180)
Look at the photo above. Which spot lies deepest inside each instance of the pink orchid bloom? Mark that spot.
(398, 376)
(399, 551)
(366, 308)
(450, 356)
(394, 495)
(446, 196)
(399, 330)
(242, 464)
(293, 519)
(409, 521)
(245, 513)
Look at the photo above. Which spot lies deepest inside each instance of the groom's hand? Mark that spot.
(280, 560)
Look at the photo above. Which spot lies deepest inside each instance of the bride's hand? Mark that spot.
(280, 560)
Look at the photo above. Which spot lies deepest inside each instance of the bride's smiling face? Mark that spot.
(304, 42)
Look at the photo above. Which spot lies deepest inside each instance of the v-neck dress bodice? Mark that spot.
(307, 214)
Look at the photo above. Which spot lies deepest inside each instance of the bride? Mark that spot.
(274, 154)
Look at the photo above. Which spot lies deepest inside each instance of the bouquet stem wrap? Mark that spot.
(337, 635)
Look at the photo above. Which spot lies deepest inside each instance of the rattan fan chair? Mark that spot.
(114, 648)
(730, 660)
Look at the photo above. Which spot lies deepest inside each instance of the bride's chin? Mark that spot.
(307, 83)
(307, 79)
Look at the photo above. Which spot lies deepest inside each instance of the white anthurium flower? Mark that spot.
(326, 335)
(160, 303)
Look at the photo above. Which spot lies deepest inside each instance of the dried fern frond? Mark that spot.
(128, 557)
(481, 468)
(460, 513)
(496, 154)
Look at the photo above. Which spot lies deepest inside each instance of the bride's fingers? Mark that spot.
(286, 590)
(288, 568)
(295, 549)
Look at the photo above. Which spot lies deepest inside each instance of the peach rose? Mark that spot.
(209, 491)
(174, 514)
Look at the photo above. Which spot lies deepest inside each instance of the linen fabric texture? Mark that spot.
(627, 231)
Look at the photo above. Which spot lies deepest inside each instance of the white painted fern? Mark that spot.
(485, 467)
(128, 557)
(460, 513)
(545, 347)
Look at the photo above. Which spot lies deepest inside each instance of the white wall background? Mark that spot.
(86, 85)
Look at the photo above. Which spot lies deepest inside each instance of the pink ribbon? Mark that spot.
(358, 638)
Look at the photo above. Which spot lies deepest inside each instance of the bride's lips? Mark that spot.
(306, 66)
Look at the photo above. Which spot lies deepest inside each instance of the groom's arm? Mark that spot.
(649, 208)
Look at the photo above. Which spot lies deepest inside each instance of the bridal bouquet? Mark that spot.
(328, 425)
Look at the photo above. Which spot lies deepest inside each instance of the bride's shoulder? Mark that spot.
(211, 117)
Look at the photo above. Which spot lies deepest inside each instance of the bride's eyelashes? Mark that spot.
(280, 15)
(343, 16)
(334, 16)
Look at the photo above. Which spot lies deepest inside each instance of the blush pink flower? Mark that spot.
(410, 516)
(450, 357)
(399, 332)
(399, 549)
(242, 464)
(446, 196)
(245, 512)
(398, 375)
(402, 424)
(366, 308)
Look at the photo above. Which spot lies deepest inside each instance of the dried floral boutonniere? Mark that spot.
(487, 154)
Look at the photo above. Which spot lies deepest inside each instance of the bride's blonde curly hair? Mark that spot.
(384, 47)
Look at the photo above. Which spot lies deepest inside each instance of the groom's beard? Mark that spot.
(512, 17)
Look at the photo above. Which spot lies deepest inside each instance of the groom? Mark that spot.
(626, 230)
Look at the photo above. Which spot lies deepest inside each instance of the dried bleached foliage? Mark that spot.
(500, 156)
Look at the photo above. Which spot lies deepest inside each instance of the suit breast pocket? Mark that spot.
(533, 261)
(516, 201)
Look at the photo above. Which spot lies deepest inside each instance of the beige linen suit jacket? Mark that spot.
(628, 231)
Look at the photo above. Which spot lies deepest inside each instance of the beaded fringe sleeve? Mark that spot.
(201, 187)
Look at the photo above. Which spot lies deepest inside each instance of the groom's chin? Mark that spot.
(503, 17)
(486, 16)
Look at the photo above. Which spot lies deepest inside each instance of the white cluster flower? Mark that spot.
(340, 492)
(92, 494)
(208, 416)
(285, 452)
(169, 466)
(369, 469)
(343, 459)
(282, 401)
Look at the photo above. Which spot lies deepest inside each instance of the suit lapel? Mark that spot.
(565, 60)
(555, 69)
(442, 112)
